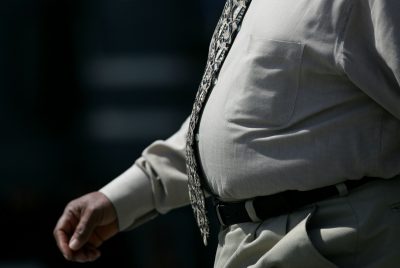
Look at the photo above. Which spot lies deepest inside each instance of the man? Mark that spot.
(298, 142)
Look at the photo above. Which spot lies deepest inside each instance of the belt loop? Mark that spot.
(249, 205)
(342, 189)
(217, 205)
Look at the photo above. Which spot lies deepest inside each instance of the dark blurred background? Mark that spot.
(84, 87)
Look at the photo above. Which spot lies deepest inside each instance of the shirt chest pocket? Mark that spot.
(265, 85)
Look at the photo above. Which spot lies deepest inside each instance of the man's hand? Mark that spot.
(85, 224)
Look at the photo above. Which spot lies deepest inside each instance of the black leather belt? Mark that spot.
(262, 207)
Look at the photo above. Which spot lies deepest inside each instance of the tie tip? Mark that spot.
(205, 240)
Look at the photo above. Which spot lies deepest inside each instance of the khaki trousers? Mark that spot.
(361, 229)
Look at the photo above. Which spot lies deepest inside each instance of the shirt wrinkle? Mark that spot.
(341, 37)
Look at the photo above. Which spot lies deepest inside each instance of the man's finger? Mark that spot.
(62, 233)
(62, 243)
(66, 223)
(85, 228)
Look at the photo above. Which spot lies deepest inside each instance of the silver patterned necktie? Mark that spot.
(222, 39)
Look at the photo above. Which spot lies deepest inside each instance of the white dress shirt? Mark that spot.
(308, 96)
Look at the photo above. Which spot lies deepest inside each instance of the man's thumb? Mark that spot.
(83, 231)
(74, 244)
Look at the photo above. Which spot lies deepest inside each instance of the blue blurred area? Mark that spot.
(84, 87)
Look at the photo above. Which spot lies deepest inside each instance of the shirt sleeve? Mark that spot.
(156, 183)
(371, 51)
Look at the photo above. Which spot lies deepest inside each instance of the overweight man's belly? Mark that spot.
(242, 160)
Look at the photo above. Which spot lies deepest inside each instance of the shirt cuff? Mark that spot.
(132, 197)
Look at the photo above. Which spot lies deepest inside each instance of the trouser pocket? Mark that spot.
(295, 249)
